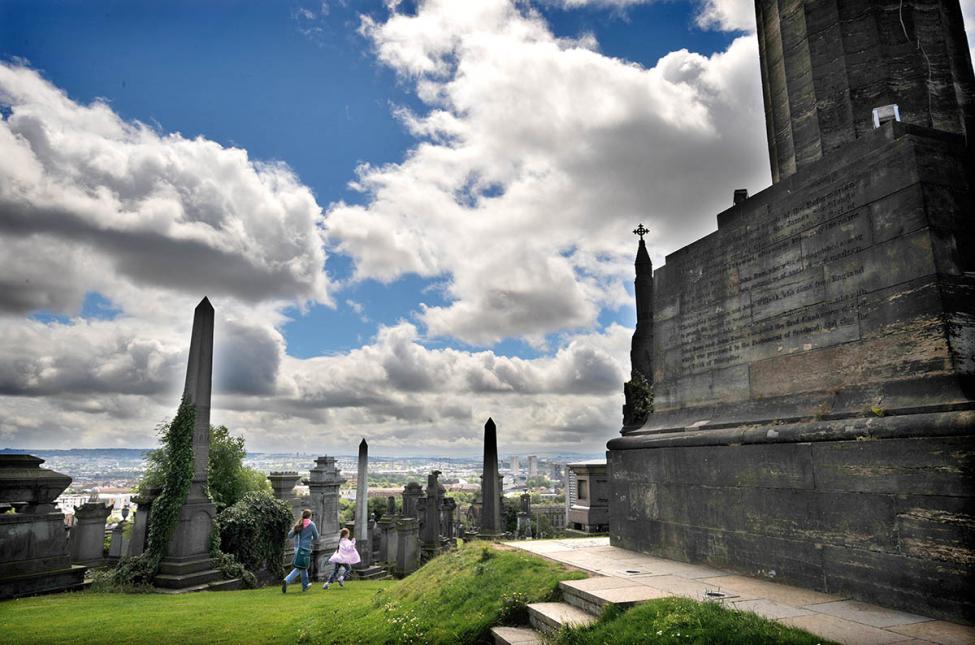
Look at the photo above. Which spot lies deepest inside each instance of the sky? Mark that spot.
(409, 216)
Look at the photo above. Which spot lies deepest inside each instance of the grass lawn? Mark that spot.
(252, 616)
(456, 598)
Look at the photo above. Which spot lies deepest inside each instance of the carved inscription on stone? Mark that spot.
(759, 288)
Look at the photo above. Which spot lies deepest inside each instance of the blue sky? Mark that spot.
(431, 222)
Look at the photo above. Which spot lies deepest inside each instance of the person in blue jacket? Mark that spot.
(304, 533)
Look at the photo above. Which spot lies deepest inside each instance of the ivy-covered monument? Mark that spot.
(183, 515)
(808, 411)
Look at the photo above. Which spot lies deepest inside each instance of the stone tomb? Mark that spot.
(88, 534)
(34, 555)
(812, 360)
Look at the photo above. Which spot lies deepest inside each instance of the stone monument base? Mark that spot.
(879, 509)
(71, 578)
(180, 574)
(187, 563)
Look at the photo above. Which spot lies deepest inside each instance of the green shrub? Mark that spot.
(253, 531)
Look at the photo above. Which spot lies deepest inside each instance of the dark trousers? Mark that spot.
(335, 571)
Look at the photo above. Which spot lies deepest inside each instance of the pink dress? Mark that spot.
(346, 553)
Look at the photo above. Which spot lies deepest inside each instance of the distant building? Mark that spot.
(532, 466)
(587, 497)
(548, 518)
(557, 473)
(515, 467)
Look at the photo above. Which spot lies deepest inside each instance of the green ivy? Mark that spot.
(177, 439)
(252, 531)
(639, 393)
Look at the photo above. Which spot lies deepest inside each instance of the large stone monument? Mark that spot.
(34, 556)
(324, 482)
(813, 414)
(491, 527)
(187, 562)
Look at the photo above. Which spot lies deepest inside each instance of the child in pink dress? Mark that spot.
(344, 556)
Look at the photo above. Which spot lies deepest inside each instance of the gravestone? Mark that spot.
(34, 555)
(324, 482)
(407, 546)
(812, 365)
(524, 528)
(491, 527)
(88, 534)
(187, 561)
(118, 545)
(430, 528)
(361, 528)
(374, 536)
(283, 488)
(386, 527)
(140, 530)
(411, 493)
(447, 520)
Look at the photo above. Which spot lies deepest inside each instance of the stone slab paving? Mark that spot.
(938, 631)
(624, 573)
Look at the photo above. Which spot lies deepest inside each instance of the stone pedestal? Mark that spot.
(88, 533)
(323, 487)
(118, 545)
(411, 493)
(431, 511)
(407, 546)
(34, 555)
(386, 527)
(447, 520)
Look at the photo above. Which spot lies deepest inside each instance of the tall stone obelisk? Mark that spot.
(187, 563)
(362, 506)
(490, 486)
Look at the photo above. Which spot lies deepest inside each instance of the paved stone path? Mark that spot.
(628, 577)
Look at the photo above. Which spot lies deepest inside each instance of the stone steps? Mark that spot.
(187, 581)
(593, 594)
(549, 617)
(516, 636)
(370, 573)
(583, 601)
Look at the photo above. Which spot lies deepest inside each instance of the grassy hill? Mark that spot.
(454, 599)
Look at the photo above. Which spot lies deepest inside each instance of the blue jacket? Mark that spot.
(306, 537)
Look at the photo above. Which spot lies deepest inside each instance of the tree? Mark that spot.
(227, 476)
(538, 482)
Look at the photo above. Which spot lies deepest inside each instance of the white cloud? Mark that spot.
(968, 14)
(727, 15)
(536, 158)
(80, 186)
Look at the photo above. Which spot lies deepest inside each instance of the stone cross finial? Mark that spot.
(641, 231)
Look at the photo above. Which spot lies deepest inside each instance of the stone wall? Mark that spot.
(874, 509)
